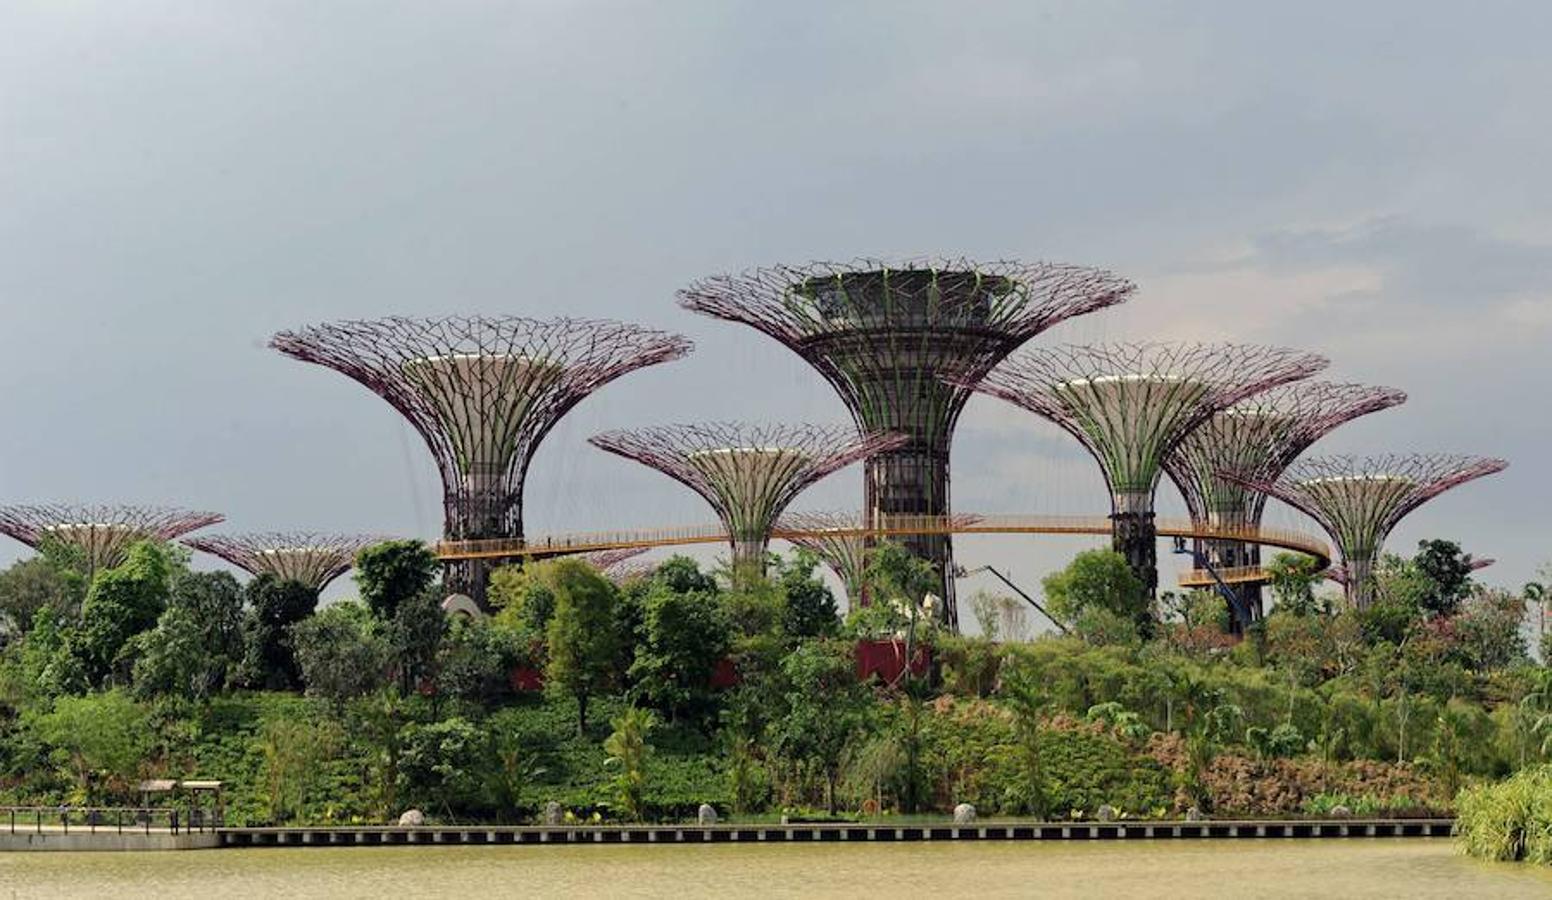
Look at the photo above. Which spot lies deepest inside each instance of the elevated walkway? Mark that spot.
(584, 541)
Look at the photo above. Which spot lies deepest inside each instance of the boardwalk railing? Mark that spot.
(92, 819)
(584, 541)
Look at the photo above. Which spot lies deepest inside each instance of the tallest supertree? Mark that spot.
(887, 335)
(482, 392)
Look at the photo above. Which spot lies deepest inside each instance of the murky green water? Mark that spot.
(1325, 869)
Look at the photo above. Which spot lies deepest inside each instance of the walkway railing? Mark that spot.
(582, 541)
(92, 819)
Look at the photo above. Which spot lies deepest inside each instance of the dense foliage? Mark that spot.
(684, 687)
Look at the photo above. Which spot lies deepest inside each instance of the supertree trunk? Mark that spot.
(905, 485)
(1359, 586)
(1135, 536)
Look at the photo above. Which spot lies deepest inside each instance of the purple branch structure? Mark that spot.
(886, 335)
(1359, 500)
(1259, 437)
(483, 392)
(1130, 405)
(605, 560)
(102, 533)
(748, 473)
(310, 558)
(834, 538)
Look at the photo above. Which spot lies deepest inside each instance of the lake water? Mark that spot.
(1327, 869)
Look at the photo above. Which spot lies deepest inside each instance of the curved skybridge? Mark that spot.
(585, 541)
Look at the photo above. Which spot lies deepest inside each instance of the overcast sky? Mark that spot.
(179, 181)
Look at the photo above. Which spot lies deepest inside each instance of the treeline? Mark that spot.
(684, 687)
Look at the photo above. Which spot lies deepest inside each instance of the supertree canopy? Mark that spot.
(482, 392)
(886, 335)
(1259, 437)
(837, 538)
(102, 534)
(310, 558)
(1130, 405)
(748, 473)
(1359, 500)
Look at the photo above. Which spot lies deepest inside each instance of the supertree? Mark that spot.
(748, 473)
(886, 334)
(482, 392)
(100, 533)
(311, 558)
(1259, 437)
(1359, 500)
(840, 541)
(1131, 404)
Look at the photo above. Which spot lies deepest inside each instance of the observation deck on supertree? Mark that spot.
(885, 335)
(1359, 500)
(838, 540)
(748, 473)
(1259, 437)
(1130, 405)
(311, 558)
(482, 392)
(101, 533)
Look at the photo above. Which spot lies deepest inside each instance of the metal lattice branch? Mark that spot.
(1359, 500)
(630, 570)
(1130, 405)
(889, 335)
(838, 540)
(748, 473)
(1259, 437)
(482, 392)
(606, 560)
(312, 558)
(103, 533)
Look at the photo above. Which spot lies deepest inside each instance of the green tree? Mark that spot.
(1487, 631)
(1292, 578)
(121, 603)
(292, 752)
(582, 638)
(196, 644)
(472, 663)
(811, 611)
(35, 584)
(1448, 572)
(684, 635)
(392, 572)
(628, 748)
(274, 605)
(102, 739)
(1026, 693)
(414, 636)
(682, 575)
(442, 764)
(1099, 580)
(824, 709)
(341, 653)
